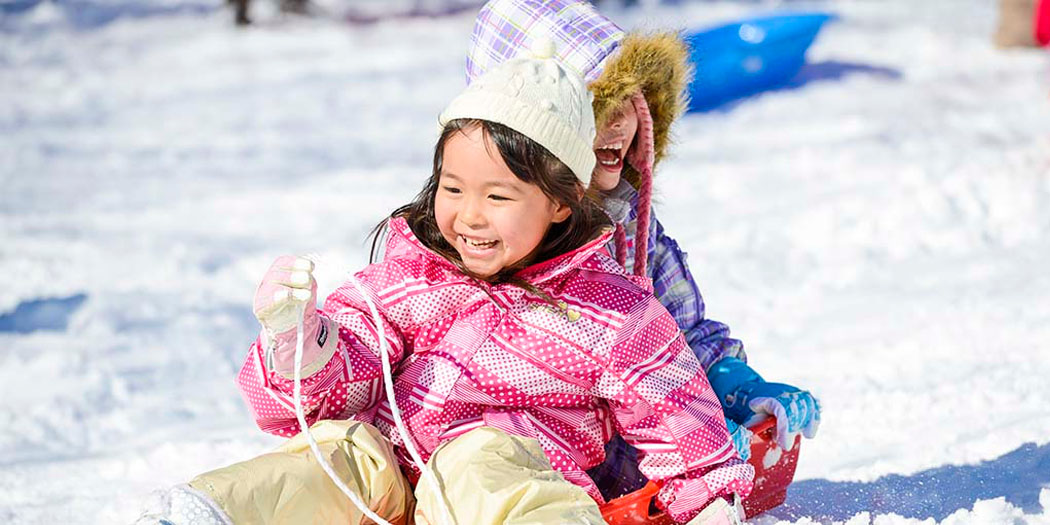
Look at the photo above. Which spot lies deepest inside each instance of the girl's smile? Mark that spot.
(610, 157)
(477, 247)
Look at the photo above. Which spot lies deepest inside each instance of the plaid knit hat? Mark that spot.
(538, 98)
(585, 40)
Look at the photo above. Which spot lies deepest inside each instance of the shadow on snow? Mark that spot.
(41, 314)
(1018, 476)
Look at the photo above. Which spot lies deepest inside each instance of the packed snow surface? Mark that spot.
(878, 233)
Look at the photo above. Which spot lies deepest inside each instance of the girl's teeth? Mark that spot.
(480, 244)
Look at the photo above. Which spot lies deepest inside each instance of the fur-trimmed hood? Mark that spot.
(656, 64)
(614, 63)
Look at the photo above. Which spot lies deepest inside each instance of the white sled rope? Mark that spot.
(388, 383)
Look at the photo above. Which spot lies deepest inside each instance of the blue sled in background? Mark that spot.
(746, 57)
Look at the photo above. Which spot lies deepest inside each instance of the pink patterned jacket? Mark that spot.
(607, 359)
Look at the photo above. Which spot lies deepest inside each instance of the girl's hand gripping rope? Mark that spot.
(288, 290)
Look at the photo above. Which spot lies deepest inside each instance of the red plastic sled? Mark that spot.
(774, 470)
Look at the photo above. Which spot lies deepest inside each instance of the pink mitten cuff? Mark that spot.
(319, 343)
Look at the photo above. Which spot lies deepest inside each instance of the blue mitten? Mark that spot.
(746, 398)
(741, 437)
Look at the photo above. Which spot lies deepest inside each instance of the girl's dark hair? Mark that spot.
(531, 163)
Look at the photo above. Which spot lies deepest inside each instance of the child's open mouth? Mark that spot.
(610, 156)
(478, 247)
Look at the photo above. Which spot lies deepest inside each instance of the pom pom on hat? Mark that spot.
(543, 47)
(538, 98)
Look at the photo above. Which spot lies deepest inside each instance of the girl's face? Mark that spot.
(492, 218)
(611, 146)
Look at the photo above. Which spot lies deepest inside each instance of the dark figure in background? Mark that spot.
(240, 8)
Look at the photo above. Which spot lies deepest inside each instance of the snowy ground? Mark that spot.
(879, 234)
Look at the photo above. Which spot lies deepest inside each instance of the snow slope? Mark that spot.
(878, 233)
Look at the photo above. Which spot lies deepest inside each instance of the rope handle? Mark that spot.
(388, 381)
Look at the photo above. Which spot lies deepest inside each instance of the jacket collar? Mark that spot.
(401, 242)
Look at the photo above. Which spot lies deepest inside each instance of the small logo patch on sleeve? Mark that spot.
(322, 334)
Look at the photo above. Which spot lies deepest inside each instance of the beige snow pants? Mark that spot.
(485, 475)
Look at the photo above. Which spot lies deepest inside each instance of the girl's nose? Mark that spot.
(470, 214)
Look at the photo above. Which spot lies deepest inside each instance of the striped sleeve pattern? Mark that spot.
(664, 406)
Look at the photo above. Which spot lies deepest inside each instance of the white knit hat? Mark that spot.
(538, 98)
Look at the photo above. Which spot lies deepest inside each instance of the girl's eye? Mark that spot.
(450, 189)
(498, 198)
